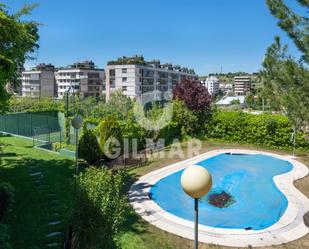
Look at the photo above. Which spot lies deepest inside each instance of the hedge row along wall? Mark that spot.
(266, 129)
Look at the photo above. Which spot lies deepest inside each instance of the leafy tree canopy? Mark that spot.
(288, 81)
(295, 25)
(193, 94)
(18, 39)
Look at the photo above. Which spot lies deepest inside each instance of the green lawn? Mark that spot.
(38, 200)
(34, 206)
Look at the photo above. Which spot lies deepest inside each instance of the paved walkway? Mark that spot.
(290, 226)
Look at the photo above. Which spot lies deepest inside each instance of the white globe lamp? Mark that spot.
(196, 181)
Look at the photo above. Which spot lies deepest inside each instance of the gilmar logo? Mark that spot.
(160, 122)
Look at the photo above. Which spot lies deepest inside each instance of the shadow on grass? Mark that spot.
(8, 154)
(33, 207)
(4, 135)
(134, 223)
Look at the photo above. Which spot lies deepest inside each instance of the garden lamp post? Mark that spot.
(77, 123)
(196, 182)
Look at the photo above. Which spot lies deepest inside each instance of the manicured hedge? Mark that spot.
(267, 129)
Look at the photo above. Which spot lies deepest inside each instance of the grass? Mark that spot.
(33, 207)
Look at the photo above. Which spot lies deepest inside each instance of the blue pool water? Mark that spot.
(248, 178)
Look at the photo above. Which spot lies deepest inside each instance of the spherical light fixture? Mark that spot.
(196, 182)
(77, 122)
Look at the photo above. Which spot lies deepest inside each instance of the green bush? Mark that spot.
(26, 104)
(7, 193)
(88, 147)
(110, 135)
(132, 130)
(100, 208)
(4, 237)
(184, 123)
(57, 146)
(266, 129)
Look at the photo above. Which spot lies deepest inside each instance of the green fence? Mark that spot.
(42, 127)
(24, 124)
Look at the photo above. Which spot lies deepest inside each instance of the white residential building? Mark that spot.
(80, 78)
(136, 79)
(242, 85)
(212, 84)
(38, 82)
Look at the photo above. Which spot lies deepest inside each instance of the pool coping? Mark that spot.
(290, 226)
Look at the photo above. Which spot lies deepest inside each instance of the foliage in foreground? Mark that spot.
(296, 26)
(18, 38)
(7, 193)
(100, 209)
(288, 81)
(4, 237)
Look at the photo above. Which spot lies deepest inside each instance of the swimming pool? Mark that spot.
(256, 201)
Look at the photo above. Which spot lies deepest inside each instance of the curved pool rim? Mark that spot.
(289, 227)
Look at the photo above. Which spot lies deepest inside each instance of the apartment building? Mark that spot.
(38, 82)
(81, 78)
(212, 84)
(242, 85)
(134, 77)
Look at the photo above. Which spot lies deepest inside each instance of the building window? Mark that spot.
(124, 79)
(112, 72)
(112, 83)
(124, 70)
(124, 88)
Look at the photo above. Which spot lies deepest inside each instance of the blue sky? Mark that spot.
(200, 34)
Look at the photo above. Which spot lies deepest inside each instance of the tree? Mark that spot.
(88, 147)
(118, 105)
(250, 100)
(284, 77)
(110, 136)
(18, 39)
(193, 94)
(296, 26)
(289, 81)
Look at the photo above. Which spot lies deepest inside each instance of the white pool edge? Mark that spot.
(290, 226)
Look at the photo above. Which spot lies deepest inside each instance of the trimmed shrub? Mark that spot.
(100, 208)
(7, 193)
(265, 129)
(110, 136)
(88, 147)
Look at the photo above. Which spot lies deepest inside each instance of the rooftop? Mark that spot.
(228, 100)
(139, 60)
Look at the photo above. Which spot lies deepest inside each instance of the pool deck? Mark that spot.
(290, 226)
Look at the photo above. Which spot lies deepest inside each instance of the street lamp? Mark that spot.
(77, 123)
(196, 182)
